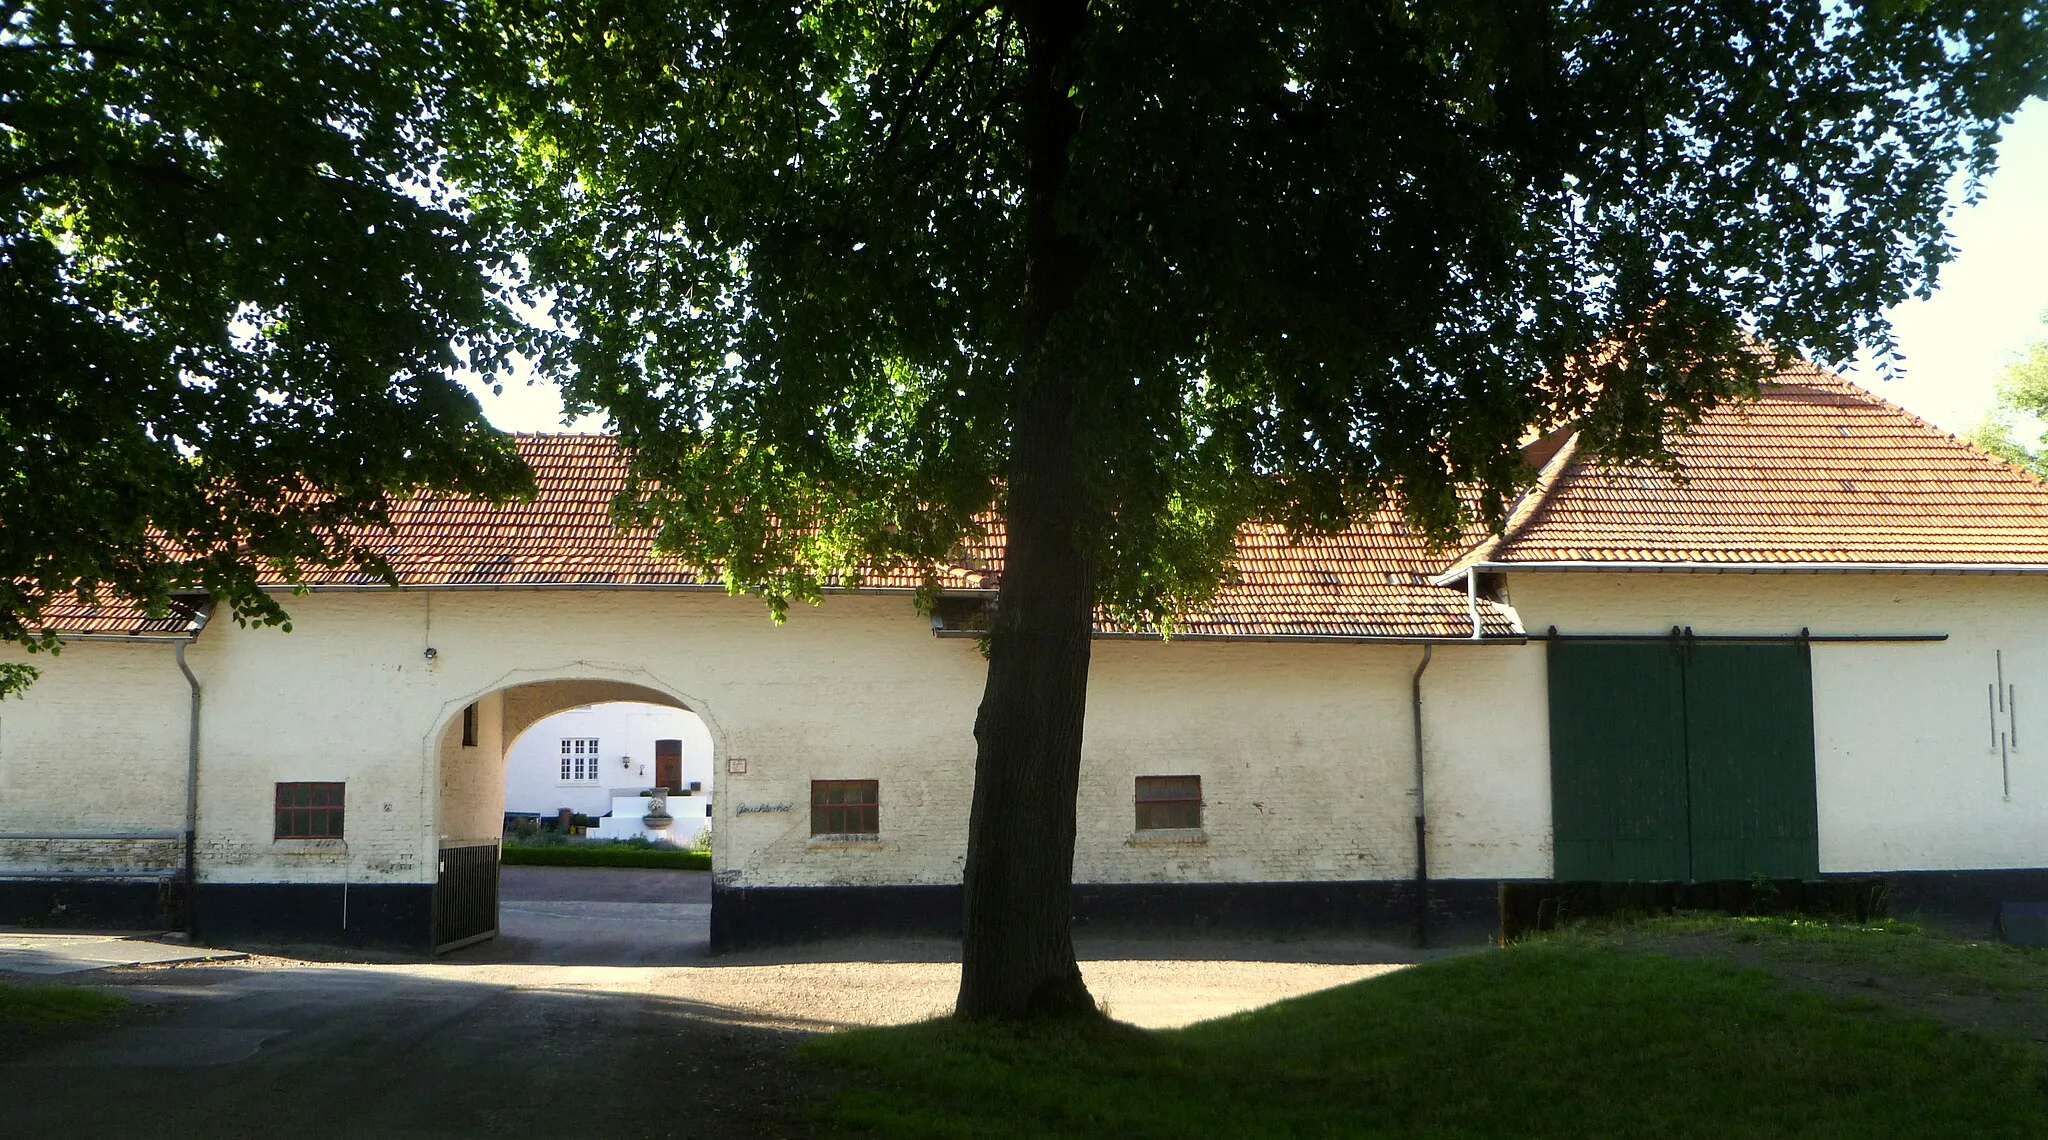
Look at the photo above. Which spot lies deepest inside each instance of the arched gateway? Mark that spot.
(469, 750)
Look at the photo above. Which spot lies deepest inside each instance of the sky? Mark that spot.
(1987, 308)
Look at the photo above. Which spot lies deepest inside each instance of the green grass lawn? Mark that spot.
(604, 855)
(49, 1005)
(1572, 1036)
(1900, 951)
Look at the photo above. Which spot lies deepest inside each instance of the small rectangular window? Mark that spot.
(469, 726)
(579, 759)
(845, 807)
(1169, 802)
(309, 810)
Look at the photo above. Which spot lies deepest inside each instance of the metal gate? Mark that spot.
(1682, 760)
(466, 896)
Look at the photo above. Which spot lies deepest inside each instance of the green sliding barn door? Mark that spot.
(1617, 760)
(1678, 759)
(1749, 754)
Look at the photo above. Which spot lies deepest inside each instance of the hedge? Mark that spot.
(605, 855)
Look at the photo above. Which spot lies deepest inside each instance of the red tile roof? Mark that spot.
(1370, 581)
(67, 616)
(563, 536)
(1817, 470)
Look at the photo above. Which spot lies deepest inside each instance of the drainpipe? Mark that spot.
(1421, 815)
(1472, 600)
(191, 796)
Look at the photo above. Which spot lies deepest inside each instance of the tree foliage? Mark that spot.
(847, 272)
(231, 295)
(2017, 430)
(1333, 251)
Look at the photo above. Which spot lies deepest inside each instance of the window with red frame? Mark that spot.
(1169, 803)
(846, 807)
(309, 810)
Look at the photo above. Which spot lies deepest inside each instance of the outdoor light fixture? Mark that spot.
(625, 761)
(432, 653)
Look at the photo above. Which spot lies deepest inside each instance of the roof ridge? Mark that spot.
(1524, 511)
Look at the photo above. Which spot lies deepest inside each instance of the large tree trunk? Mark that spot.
(1017, 950)
(1017, 946)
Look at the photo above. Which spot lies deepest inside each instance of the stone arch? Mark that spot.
(469, 790)
(466, 782)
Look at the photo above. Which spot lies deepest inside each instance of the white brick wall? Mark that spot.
(97, 746)
(472, 802)
(1908, 777)
(1304, 750)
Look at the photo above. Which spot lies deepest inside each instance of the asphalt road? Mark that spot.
(598, 916)
(279, 1047)
(603, 884)
(583, 1021)
(336, 1051)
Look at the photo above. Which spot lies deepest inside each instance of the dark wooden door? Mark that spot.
(1675, 759)
(1749, 758)
(668, 765)
(1617, 760)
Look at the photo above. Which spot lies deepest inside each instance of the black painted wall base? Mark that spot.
(1542, 905)
(1461, 910)
(400, 917)
(385, 916)
(1964, 902)
(89, 904)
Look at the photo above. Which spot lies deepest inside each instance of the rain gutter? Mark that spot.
(1451, 576)
(191, 869)
(1287, 638)
(607, 587)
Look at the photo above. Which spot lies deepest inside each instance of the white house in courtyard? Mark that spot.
(586, 759)
(1812, 652)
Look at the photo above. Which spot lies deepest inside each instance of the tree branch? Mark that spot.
(924, 72)
(10, 179)
(107, 47)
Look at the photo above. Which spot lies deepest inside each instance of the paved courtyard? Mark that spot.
(595, 1016)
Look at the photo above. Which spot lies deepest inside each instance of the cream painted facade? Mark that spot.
(1906, 751)
(626, 732)
(1305, 750)
(97, 748)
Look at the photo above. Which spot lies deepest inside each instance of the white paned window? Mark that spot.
(579, 759)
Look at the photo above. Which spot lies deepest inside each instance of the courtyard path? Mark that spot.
(517, 1036)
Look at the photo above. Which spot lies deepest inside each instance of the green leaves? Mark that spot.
(1329, 253)
(2022, 407)
(235, 295)
(1320, 255)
